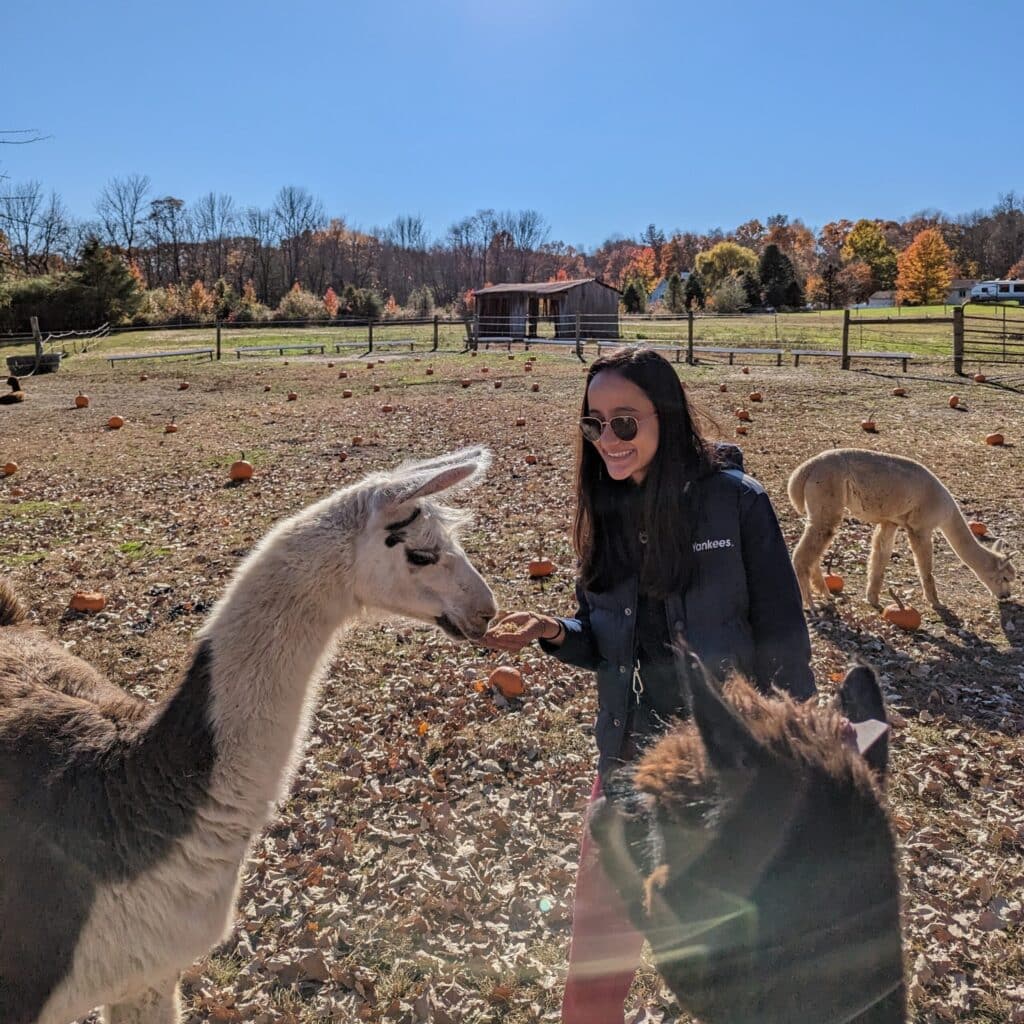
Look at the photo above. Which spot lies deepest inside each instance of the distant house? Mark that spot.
(960, 291)
(513, 310)
(658, 295)
(877, 300)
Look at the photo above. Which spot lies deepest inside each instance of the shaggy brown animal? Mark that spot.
(753, 849)
(15, 395)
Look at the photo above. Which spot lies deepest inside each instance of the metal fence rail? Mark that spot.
(988, 334)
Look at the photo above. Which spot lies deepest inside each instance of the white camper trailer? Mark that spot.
(999, 291)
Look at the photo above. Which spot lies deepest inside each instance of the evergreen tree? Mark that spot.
(106, 289)
(634, 298)
(751, 287)
(693, 292)
(777, 276)
(675, 297)
(794, 296)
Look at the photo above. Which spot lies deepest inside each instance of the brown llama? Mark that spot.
(753, 849)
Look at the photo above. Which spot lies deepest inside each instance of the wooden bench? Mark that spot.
(161, 355)
(740, 350)
(903, 357)
(280, 349)
(411, 342)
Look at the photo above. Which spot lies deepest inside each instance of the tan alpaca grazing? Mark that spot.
(894, 492)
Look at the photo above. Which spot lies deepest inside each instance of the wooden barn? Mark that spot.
(514, 310)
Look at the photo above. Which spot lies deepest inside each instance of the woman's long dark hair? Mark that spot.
(609, 514)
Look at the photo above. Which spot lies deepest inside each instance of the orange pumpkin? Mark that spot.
(755, 396)
(330, 365)
(954, 401)
(743, 414)
(474, 353)
(376, 387)
(10, 469)
(240, 469)
(266, 387)
(497, 383)
(292, 396)
(507, 681)
(369, 366)
(466, 383)
(357, 440)
(87, 601)
(171, 428)
(429, 371)
(741, 430)
(531, 459)
(485, 369)
(183, 385)
(342, 374)
(528, 368)
(978, 528)
(541, 567)
(346, 393)
(81, 401)
(520, 421)
(115, 422)
(902, 615)
(723, 388)
(746, 369)
(868, 426)
(387, 408)
(980, 378)
(143, 376)
(342, 456)
(995, 439)
(834, 582)
(535, 387)
(899, 392)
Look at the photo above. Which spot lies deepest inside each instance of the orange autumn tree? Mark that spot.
(924, 270)
(331, 302)
(642, 267)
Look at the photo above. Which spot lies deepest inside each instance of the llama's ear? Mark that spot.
(442, 474)
(730, 745)
(860, 700)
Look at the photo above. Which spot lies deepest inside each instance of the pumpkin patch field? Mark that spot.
(421, 869)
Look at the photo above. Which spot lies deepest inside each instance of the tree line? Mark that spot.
(214, 257)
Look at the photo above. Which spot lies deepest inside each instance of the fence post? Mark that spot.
(369, 334)
(958, 340)
(689, 336)
(579, 346)
(218, 343)
(434, 349)
(846, 339)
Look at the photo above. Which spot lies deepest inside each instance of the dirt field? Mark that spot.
(426, 874)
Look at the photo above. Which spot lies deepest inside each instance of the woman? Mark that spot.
(673, 540)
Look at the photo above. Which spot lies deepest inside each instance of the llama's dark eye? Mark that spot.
(421, 557)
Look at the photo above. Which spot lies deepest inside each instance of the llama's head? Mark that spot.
(999, 576)
(752, 848)
(408, 560)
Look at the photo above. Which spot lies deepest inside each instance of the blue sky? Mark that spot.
(602, 116)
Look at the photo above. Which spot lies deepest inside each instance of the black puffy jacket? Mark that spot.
(740, 611)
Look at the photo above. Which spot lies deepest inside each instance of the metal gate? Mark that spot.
(987, 333)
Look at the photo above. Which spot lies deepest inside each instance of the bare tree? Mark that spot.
(214, 220)
(258, 227)
(37, 229)
(297, 214)
(120, 209)
(165, 233)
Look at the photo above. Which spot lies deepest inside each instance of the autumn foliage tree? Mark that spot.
(925, 270)
(724, 260)
(331, 302)
(867, 243)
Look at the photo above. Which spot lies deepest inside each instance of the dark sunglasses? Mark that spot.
(623, 427)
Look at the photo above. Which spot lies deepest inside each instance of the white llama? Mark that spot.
(125, 826)
(893, 492)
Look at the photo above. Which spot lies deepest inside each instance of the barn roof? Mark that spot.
(543, 288)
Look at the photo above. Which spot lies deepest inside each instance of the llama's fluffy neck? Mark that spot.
(270, 638)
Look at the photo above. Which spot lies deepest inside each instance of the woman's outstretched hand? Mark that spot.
(512, 631)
